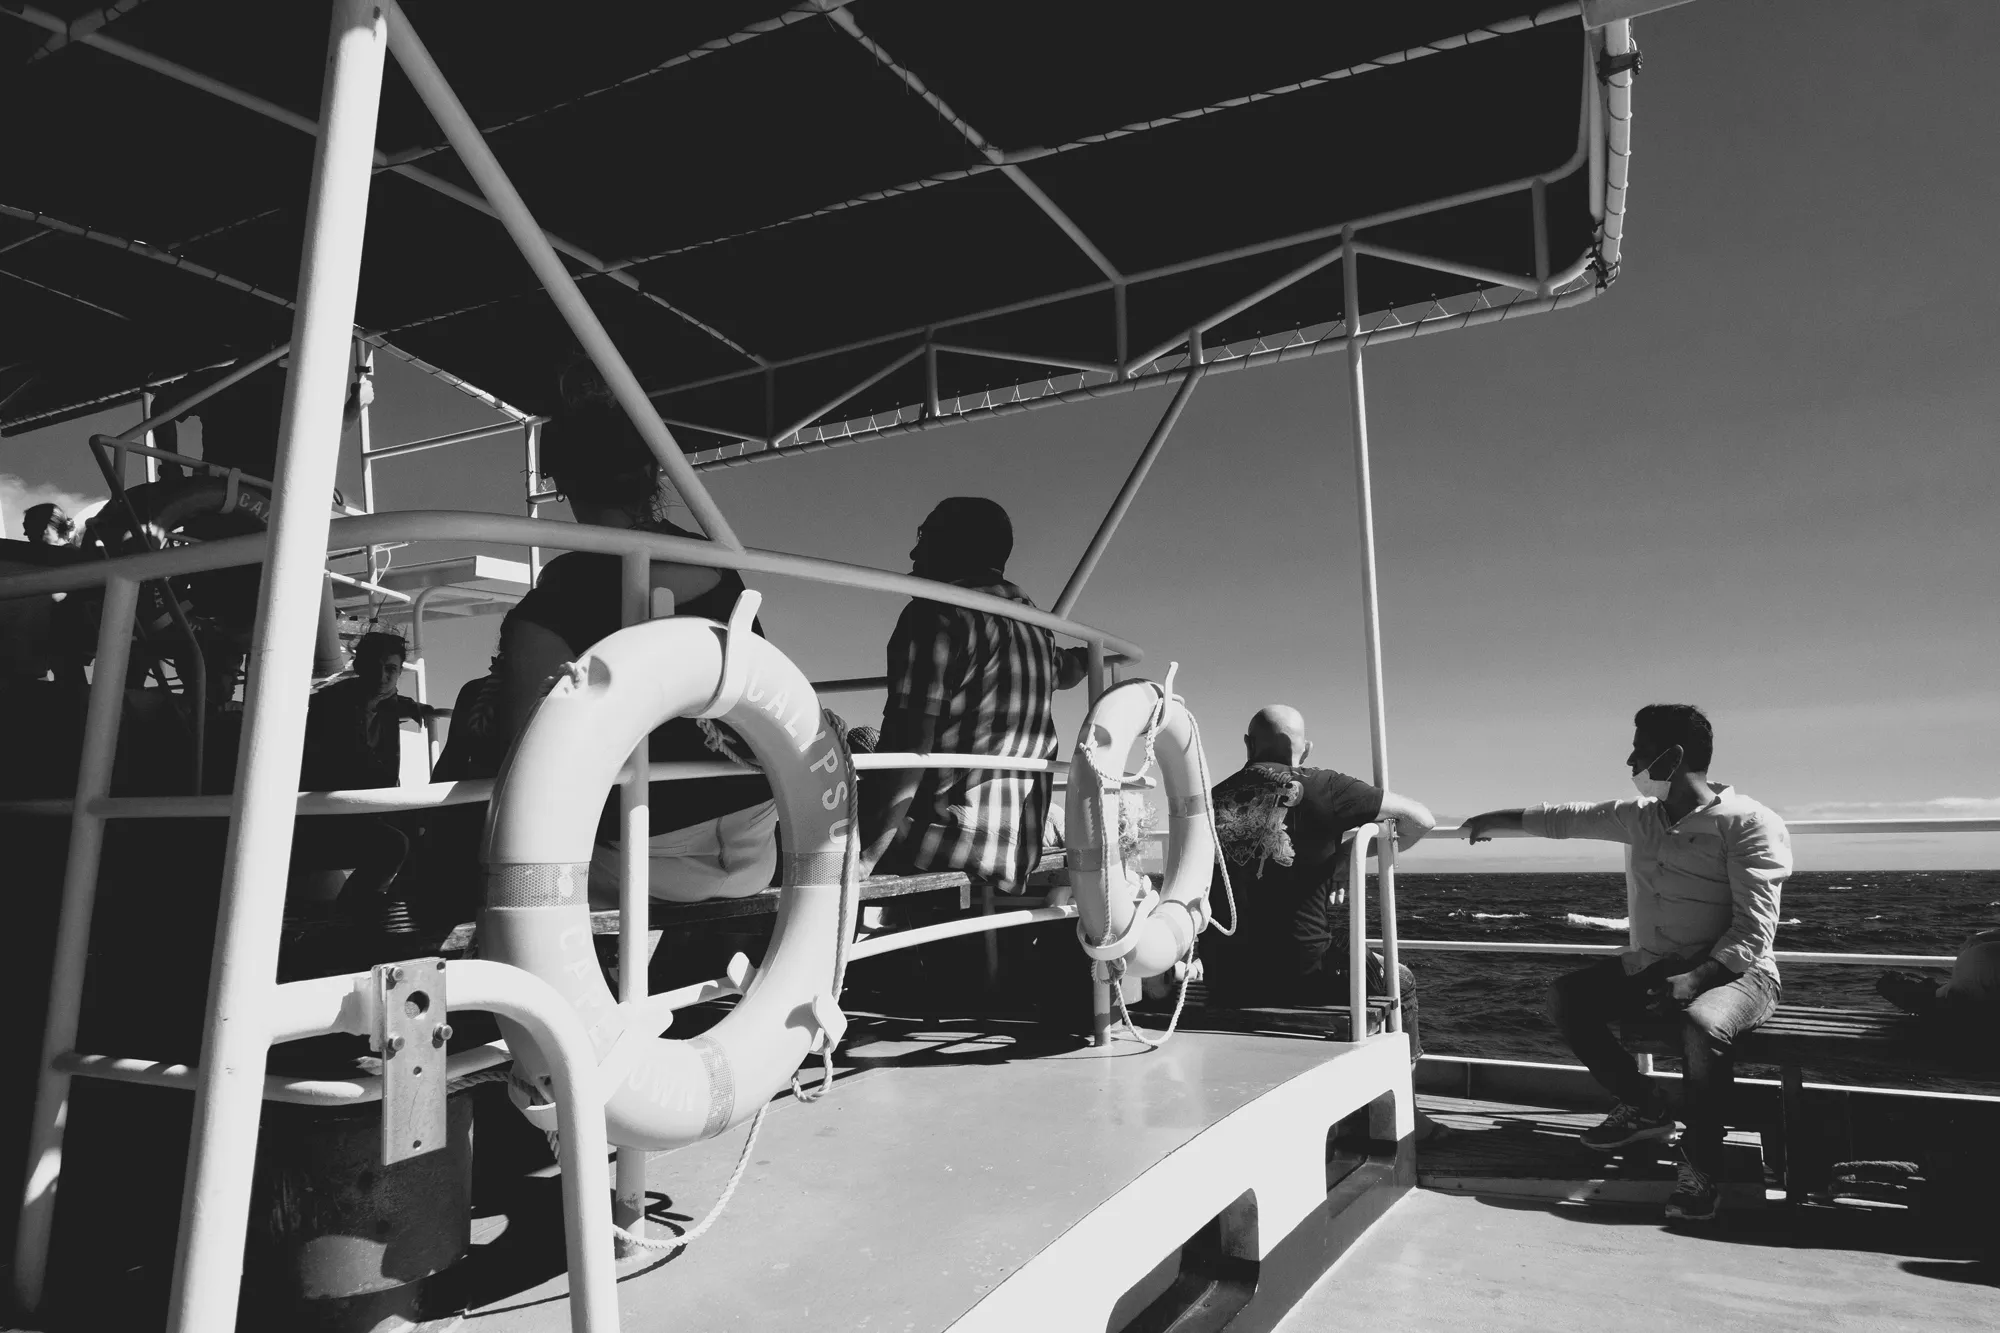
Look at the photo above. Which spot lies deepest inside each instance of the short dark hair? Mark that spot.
(594, 453)
(35, 519)
(379, 646)
(1683, 725)
(970, 535)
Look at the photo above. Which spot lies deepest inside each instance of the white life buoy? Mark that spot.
(1150, 930)
(543, 822)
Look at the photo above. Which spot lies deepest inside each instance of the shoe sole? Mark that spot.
(1682, 1215)
(1655, 1134)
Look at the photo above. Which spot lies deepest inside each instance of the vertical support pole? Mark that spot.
(229, 1087)
(531, 444)
(1538, 195)
(1123, 329)
(932, 408)
(1357, 932)
(1392, 983)
(1364, 496)
(364, 364)
(628, 1195)
(1100, 973)
(433, 743)
(72, 946)
(146, 438)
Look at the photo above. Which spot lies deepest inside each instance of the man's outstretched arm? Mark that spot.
(1482, 827)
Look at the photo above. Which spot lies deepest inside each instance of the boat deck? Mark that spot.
(980, 1176)
(1500, 1264)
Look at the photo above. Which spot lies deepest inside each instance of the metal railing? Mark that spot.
(508, 991)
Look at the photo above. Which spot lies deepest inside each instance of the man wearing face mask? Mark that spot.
(1704, 871)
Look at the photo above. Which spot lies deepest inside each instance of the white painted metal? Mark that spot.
(1364, 497)
(628, 1199)
(72, 943)
(338, 1004)
(1122, 502)
(229, 1095)
(451, 116)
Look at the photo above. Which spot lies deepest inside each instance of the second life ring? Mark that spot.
(208, 508)
(541, 828)
(1115, 917)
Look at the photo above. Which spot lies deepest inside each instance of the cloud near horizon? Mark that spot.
(1937, 807)
(18, 495)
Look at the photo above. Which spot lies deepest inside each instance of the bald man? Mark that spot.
(1281, 825)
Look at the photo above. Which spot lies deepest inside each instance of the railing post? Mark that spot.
(229, 1094)
(531, 441)
(1357, 932)
(72, 944)
(628, 1208)
(1392, 984)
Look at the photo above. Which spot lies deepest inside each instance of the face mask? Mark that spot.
(1650, 787)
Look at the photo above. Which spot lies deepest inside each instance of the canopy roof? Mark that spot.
(771, 205)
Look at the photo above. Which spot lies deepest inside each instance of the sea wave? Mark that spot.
(1599, 922)
(1499, 916)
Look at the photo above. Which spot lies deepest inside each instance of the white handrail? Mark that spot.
(1573, 950)
(471, 791)
(507, 529)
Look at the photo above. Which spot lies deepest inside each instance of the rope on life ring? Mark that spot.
(541, 829)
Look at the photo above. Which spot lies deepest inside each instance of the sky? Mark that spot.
(1758, 475)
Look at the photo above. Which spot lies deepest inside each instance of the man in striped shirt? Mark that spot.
(966, 682)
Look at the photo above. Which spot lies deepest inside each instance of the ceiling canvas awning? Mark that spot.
(806, 222)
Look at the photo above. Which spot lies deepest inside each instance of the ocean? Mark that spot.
(1492, 1004)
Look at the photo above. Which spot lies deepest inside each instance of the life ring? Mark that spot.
(212, 507)
(542, 824)
(1150, 930)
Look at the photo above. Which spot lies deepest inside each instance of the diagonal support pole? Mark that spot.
(1135, 479)
(429, 81)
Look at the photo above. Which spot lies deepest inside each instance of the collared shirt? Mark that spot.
(990, 684)
(1706, 887)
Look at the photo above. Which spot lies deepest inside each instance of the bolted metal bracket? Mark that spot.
(410, 1035)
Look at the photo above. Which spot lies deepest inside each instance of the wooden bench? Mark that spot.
(1797, 1036)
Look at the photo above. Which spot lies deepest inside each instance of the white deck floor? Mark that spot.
(1472, 1264)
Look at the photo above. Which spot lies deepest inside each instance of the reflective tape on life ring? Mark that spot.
(541, 828)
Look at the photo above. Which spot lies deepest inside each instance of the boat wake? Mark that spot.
(1598, 922)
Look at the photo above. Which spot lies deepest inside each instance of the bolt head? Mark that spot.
(441, 1034)
(393, 1046)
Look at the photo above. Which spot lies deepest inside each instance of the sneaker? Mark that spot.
(1695, 1197)
(1627, 1125)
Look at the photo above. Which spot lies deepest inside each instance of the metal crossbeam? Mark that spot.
(1389, 60)
(284, 116)
(844, 20)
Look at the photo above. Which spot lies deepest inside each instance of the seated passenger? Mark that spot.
(48, 525)
(354, 741)
(711, 838)
(1281, 826)
(966, 682)
(1704, 873)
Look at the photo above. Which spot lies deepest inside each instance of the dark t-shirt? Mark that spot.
(1278, 954)
(578, 599)
(340, 752)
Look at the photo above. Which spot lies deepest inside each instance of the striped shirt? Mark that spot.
(990, 684)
